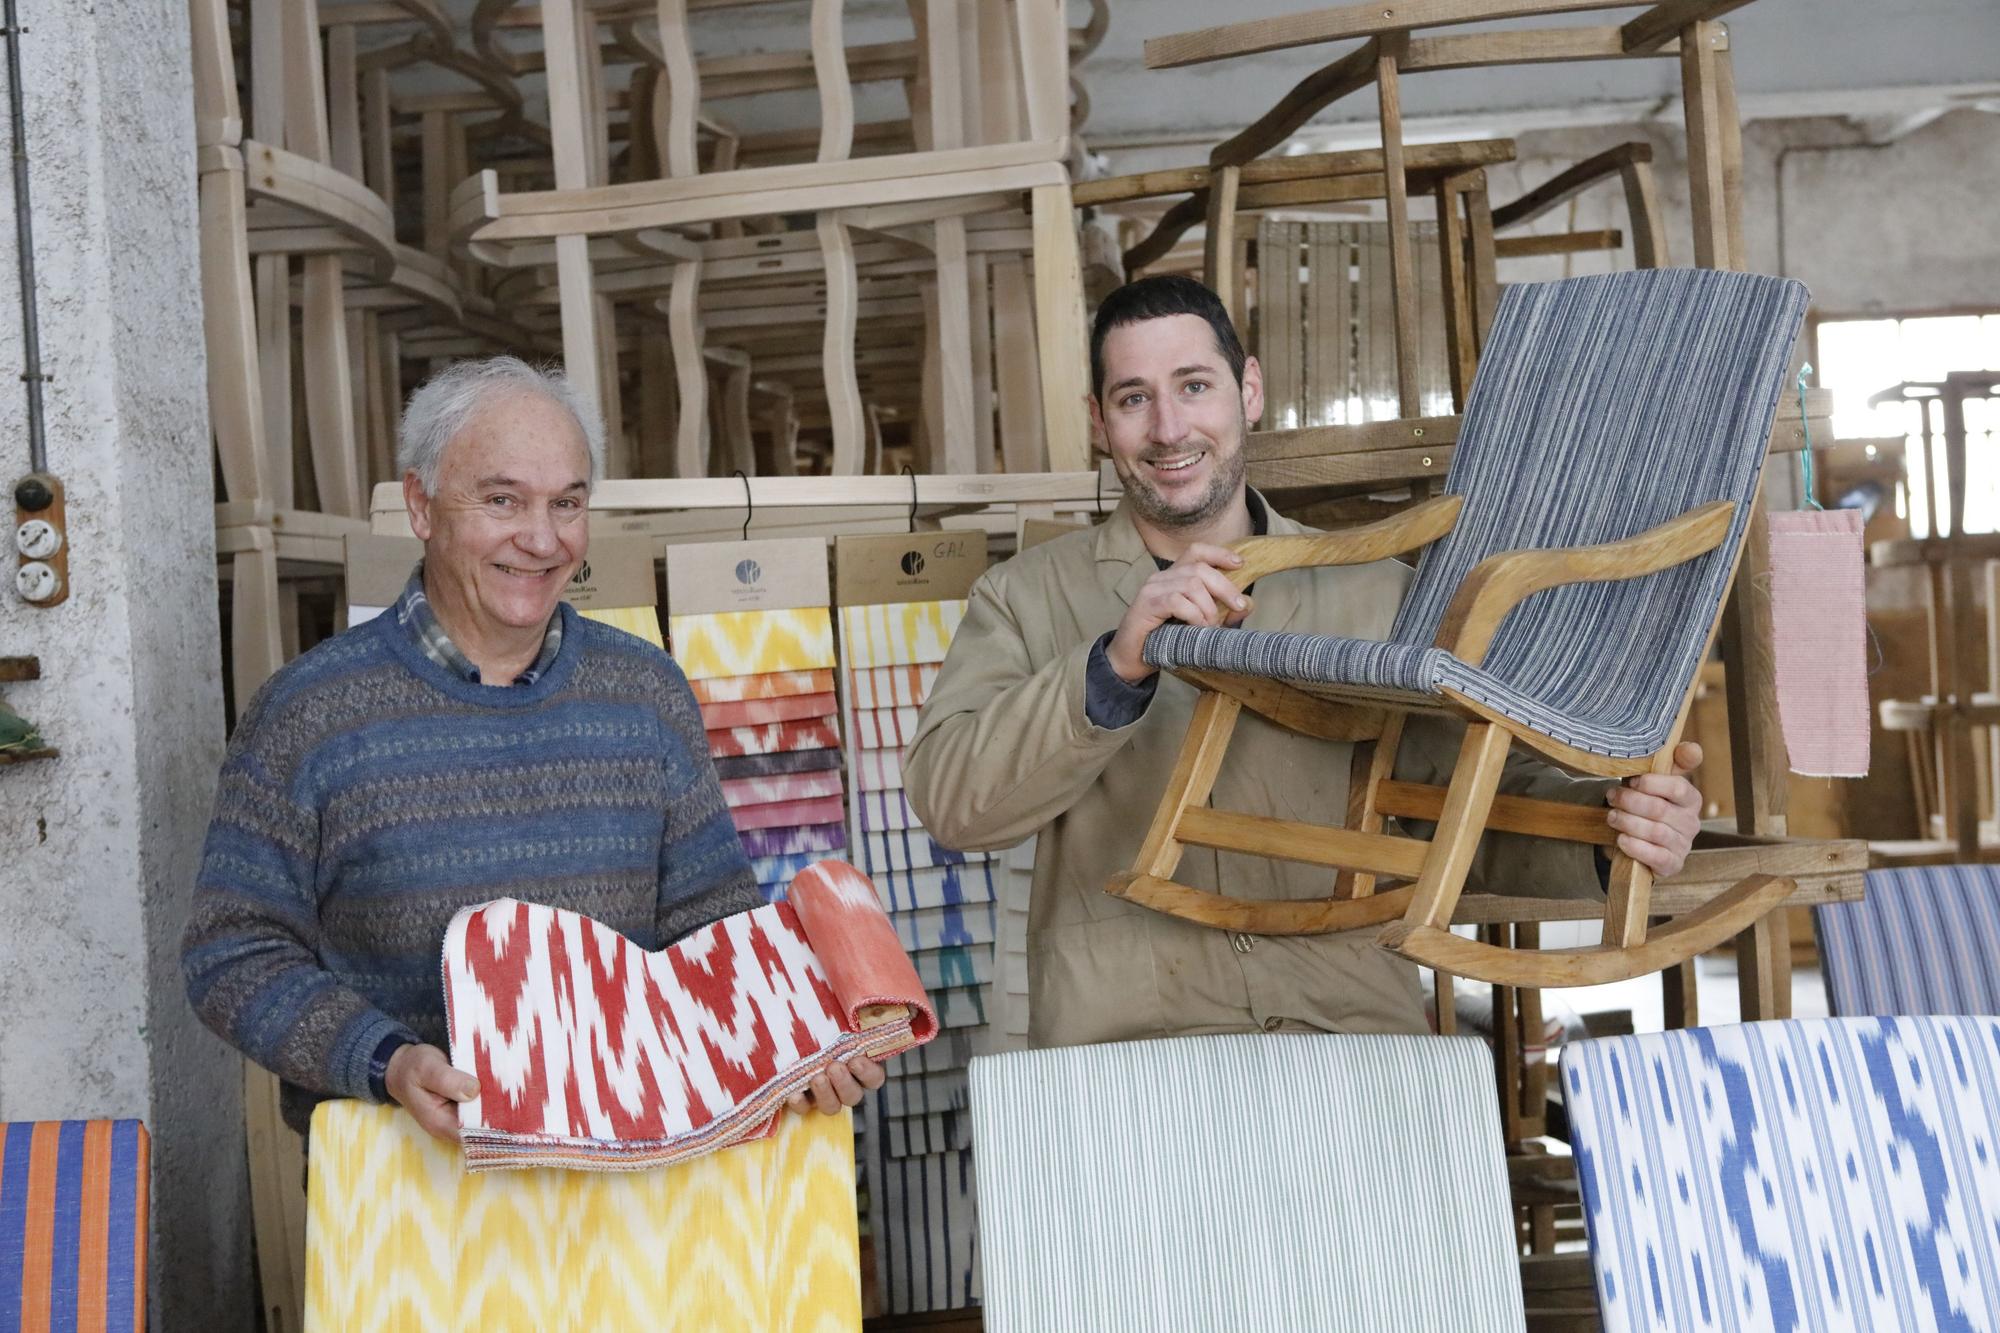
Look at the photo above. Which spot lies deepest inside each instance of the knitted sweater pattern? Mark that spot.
(368, 794)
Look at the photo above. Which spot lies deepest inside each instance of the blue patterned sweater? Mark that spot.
(369, 793)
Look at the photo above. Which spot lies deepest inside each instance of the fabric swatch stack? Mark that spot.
(764, 679)
(914, 1136)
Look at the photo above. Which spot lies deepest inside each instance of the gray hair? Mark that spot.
(438, 411)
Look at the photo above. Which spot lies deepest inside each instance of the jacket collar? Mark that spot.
(1117, 544)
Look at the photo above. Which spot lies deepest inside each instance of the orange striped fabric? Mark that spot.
(73, 1200)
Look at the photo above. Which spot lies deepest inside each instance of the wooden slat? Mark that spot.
(1310, 844)
(1509, 814)
(1340, 23)
(1060, 330)
(1567, 184)
(1667, 19)
(1303, 166)
(1308, 98)
(1523, 46)
(1329, 348)
(1706, 186)
(1188, 785)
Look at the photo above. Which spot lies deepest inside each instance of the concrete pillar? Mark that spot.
(98, 848)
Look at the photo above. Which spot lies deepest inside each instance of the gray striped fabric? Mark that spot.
(1602, 407)
(1923, 941)
(1228, 1183)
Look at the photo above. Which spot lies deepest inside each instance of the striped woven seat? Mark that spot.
(1807, 1175)
(1223, 1183)
(73, 1203)
(1923, 941)
(1603, 407)
(1571, 581)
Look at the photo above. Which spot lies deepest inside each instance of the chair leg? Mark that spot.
(1481, 758)
(1192, 780)
(1374, 764)
(1631, 887)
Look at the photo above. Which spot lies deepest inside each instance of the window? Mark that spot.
(1859, 358)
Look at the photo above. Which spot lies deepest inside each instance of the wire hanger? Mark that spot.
(908, 472)
(749, 501)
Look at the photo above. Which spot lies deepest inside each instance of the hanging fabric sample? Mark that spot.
(753, 631)
(592, 1053)
(1819, 632)
(901, 600)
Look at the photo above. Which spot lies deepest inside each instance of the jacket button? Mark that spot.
(1273, 1023)
(1243, 943)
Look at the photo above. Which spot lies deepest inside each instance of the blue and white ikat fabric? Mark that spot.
(1809, 1175)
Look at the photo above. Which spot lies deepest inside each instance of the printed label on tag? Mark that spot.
(908, 567)
(618, 572)
(776, 574)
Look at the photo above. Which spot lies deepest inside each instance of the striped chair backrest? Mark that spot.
(1245, 1182)
(1835, 1173)
(1922, 941)
(73, 1224)
(1602, 407)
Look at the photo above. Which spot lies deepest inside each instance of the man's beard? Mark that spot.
(1224, 481)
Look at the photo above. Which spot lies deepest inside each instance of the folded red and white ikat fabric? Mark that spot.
(780, 787)
(592, 1053)
(769, 685)
(788, 814)
(758, 712)
(808, 733)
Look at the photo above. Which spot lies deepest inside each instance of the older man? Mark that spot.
(479, 739)
(1046, 719)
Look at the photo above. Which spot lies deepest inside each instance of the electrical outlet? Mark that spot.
(37, 539)
(41, 538)
(36, 582)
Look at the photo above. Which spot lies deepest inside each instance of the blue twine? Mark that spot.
(1805, 427)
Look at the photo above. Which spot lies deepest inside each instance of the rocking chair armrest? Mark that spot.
(1501, 582)
(1416, 526)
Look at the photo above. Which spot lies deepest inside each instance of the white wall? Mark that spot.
(98, 848)
(1900, 227)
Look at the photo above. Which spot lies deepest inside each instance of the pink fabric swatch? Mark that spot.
(808, 733)
(789, 814)
(1819, 639)
(757, 712)
(780, 787)
(884, 728)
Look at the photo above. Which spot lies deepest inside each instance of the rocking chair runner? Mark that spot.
(1576, 569)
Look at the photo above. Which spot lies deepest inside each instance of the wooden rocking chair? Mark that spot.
(1578, 563)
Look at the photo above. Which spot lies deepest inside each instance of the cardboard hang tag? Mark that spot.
(908, 567)
(774, 574)
(617, 573)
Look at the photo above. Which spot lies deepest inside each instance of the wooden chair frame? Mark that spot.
(1435, 869)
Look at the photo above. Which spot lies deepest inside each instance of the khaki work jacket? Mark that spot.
(1004, 751)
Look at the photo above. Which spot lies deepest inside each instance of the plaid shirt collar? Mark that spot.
(413, 612)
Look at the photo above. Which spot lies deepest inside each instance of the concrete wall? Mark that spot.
(98, 848)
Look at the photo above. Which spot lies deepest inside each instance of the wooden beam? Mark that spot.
(1664, 21)
(1403, 266)
(1559, 243)
(1307, 99)
(1523, 46)
(1563, 186)
(1340, 23)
